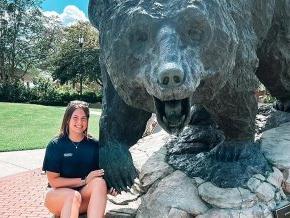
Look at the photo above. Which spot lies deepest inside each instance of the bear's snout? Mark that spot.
(170, 72)
(170, 75)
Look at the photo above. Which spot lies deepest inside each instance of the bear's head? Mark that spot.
(164, 56)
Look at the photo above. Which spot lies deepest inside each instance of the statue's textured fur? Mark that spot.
(165, 56)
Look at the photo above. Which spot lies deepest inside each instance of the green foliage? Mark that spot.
(74, 64)
(72, 34)
(31, 43)
(14, 92)
(45, 93)
(26, 38)
(77, 62)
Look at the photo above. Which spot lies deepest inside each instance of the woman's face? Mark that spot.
(78, 122)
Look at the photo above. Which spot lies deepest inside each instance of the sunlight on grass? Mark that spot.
(28, 126)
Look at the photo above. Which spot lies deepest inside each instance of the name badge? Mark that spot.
(67, 154)
(282, 212)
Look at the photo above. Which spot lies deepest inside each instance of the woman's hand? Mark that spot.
(93, 174)
(113, 192)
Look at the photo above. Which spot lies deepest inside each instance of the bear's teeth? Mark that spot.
(165, 120)
(183, 119)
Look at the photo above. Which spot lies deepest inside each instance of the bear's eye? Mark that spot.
(138, 41)
(193, 26)
(138, 36)
(195, 34)
(141, 36)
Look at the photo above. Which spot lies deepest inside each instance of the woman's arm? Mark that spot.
(56, 181)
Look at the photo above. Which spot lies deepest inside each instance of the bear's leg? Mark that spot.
(120, 127)
(235, 157)
(274, 58)
(238, 157)
(235, 113)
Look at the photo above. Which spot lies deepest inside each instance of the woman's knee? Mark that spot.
(98, 183)
(55, 200)
(75, 198)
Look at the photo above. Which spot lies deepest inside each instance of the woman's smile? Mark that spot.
(78, 123)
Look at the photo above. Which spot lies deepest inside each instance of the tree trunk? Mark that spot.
(81, 85)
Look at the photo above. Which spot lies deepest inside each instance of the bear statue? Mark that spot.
(170, 56)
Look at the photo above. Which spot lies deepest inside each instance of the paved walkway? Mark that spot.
(20, 161)
(22, 187)
(22, 194)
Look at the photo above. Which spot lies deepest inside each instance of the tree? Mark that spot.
(78, 64)
(75, 63)
(25, 42)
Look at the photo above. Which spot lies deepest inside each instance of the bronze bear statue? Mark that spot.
(166, 56)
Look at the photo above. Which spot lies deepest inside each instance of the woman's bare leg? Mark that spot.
(94, 197)
(63, 202)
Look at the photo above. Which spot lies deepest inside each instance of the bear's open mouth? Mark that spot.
(172, 115)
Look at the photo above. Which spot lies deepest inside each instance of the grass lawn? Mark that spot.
(29, 126)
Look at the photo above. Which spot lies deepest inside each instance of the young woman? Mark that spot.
(71, 164)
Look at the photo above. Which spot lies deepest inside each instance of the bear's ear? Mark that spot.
(99, 9)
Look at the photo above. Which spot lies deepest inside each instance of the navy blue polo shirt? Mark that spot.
(63, 157)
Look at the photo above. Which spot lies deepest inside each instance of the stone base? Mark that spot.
(171, 193)
(186, 197)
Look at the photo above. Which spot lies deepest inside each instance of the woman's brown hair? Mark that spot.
(72, 106)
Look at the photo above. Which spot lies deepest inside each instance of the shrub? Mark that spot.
(44, 92)
(15, 92)
(89, 97)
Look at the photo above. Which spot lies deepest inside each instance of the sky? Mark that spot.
(69, 11)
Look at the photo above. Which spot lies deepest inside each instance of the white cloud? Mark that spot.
(70, 15)
(51, 13)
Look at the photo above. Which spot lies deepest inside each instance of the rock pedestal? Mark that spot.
(165, 192)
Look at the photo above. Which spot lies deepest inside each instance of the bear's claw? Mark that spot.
(119, 171)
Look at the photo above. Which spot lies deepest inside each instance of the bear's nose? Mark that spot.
(170, 75)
